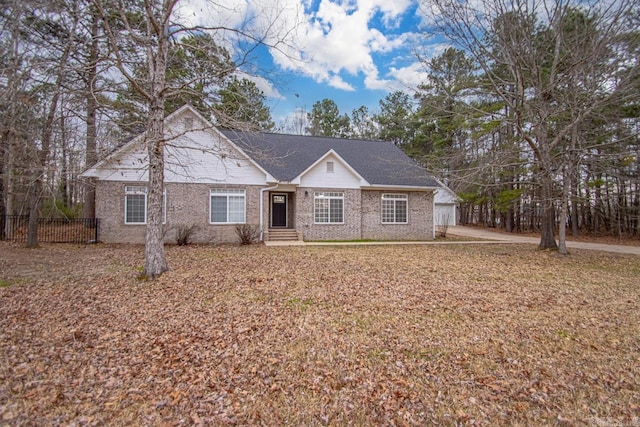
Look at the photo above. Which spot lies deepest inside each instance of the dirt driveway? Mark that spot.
(484, 234)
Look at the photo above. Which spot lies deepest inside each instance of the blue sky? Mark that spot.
(351, 51)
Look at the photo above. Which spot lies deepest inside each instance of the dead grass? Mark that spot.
(383, 335)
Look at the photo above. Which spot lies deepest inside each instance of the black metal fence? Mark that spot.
(51, 230)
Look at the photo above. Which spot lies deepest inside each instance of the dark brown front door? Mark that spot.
(278, 210)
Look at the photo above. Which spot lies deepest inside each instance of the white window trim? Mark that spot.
(228, 192)
(144, 192)
(323, 195)
(394, 197)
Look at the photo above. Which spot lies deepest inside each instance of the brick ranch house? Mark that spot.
(305, 187)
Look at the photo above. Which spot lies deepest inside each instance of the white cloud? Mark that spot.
(338, 38)
(410, 76)
(270, 21)
(414, 74)
(328, 44)
(264, 85)
(337, 82)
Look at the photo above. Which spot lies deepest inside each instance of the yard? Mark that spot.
(368, 335)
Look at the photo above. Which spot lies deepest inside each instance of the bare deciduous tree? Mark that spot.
(554, 65)
(143, 32)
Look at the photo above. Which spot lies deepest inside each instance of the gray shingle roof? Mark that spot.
(287, 156)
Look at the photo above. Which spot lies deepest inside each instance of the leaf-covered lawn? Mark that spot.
(384, 335)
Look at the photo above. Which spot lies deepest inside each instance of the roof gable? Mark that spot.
(319, 175)
(195, 151)
(445, 195)
(286, 157)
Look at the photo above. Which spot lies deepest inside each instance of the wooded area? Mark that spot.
(530, 112)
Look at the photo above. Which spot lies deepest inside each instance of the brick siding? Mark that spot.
(186, 204)
(349, 230)
(420, 217)
(189, 204)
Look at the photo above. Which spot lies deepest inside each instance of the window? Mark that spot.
(227, 206)
(328, 208)
(188, 123)
(329, 167)
(394, 208)
(135, 205)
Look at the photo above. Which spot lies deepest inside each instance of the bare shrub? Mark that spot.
(248, 233)
(441, 229)
(184, 233)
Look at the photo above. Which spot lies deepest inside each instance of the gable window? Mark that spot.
(135, 205)
(394, 208)
(328, 208)
(329, 167)
(227, 206)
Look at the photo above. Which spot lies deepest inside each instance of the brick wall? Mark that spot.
(349, 230)
(186, 204)
(189, 204)
(420, 217)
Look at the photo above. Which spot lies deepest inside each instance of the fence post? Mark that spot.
(97, 229)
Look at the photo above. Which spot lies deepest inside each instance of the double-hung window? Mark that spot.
(394, 208)
(227, 206)
(328, 208)
(135, 205)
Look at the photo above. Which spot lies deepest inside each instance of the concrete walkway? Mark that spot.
(478, 233)
(484, 237)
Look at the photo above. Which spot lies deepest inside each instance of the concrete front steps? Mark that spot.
(283, 235)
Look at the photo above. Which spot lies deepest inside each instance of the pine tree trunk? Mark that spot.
(564, 211)
(575, 217)
(34, 214)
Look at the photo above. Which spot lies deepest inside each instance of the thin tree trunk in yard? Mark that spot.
(155, 260)
(567, 176)
(564, 211)
(89, 208)
(7, 176)
(575, 218)
(635, 203)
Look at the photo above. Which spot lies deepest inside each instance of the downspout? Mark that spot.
(433, 214)
(262, 210)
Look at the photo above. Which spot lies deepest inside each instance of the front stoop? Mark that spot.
(283, 235)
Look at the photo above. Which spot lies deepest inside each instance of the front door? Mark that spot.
(278, 210)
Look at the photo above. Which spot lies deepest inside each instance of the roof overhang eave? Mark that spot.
(400, 187)
(89, 173)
